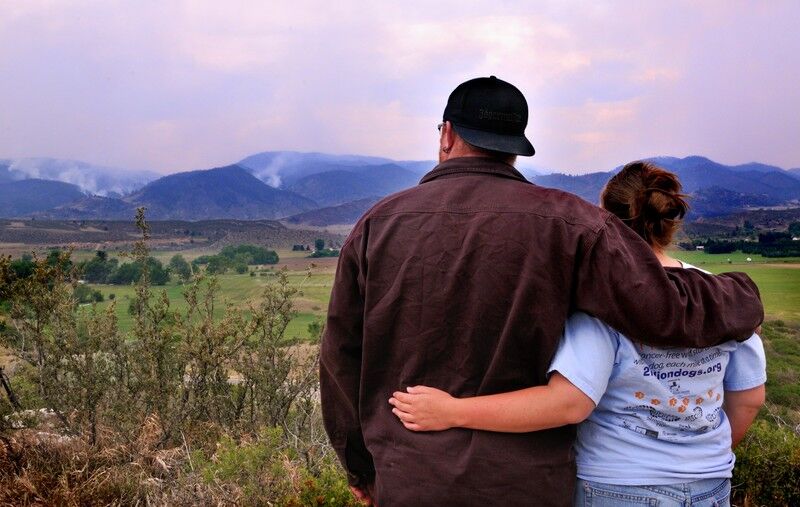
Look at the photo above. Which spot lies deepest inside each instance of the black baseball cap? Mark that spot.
(490, 113)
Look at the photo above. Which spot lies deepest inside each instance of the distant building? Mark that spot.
(700, 247)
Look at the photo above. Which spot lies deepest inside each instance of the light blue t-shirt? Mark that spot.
(659, 417)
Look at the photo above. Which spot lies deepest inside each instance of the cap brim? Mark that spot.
(517, 145)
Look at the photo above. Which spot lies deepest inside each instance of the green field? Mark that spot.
(777, 279)
(312, 277)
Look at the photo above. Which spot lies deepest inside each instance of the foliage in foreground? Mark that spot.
(767, 470)
(183, 409)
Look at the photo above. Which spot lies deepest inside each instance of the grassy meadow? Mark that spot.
(313, 277)
(778, 280)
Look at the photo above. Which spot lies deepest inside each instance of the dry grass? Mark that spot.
(44, 468)
(39, 468)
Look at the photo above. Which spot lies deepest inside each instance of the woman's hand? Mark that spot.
(425, 409)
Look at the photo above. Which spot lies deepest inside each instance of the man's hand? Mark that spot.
(424, 409)
(362, 495)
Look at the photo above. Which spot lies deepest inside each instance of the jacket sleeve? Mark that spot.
(340, 368)
(621, 282)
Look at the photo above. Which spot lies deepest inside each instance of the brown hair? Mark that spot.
(648, 199)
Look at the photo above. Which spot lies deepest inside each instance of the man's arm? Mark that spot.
(340, 368)
(621, 282)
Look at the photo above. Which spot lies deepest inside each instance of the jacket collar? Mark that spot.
(471, 165)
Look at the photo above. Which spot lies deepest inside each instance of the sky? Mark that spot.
(178, 85)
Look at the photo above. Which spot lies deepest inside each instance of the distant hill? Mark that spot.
(91, 178)
(586, 186)
(719, 189)
(699, 172)
(353, 183)
(753, 166)
(272, 185)
(165, 234)
(19, 198)
(5, 174)
(281, 169)
(229, 192)
(91, 207)
(347, 213)
(716, 201)
(223, 192)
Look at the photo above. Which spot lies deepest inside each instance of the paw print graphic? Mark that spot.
(710, 393)
(655, 401)
(698, 401)
(639, 394)
(685, 401)
(673, 402)
(682, 409)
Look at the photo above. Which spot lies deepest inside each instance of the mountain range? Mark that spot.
(321, 189)
(716, 189)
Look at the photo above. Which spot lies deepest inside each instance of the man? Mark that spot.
(464, 283)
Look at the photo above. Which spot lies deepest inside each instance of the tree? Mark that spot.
(131, 272)
(82, 294)
(180, 267)
(99, 269)
(249, 254)
(794, 229)
(217, 265)
(319, 244)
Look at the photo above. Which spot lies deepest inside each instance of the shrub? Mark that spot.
(186, 408)
(767, 468)
(250, 254)
(328, 252)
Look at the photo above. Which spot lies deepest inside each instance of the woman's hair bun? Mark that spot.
(649, 199)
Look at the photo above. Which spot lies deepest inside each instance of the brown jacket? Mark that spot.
(464, 283)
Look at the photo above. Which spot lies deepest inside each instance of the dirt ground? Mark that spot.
(320, 265)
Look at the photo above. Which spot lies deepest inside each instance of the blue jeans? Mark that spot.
(704, 493)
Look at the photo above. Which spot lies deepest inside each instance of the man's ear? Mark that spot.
(448, 137)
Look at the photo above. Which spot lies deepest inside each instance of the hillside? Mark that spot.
(91, 178)
(223, 192)
(18, 198)
(90, 207)
(699, 172)
(347, 213)
(586, 186)
(352, 183)
(5, 173)
(272, 185)
(716, 201)
(284, 168)
(719, 189)
(165, 235)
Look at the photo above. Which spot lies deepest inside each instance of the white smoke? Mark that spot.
(90, 178)
(271, 173)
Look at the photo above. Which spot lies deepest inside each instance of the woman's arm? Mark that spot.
(741, 407)
(535, 408)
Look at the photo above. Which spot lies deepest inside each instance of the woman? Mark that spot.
(657, 425)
